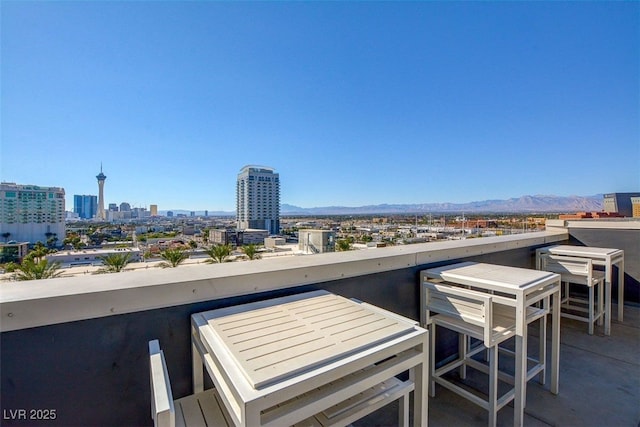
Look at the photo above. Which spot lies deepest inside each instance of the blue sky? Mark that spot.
(353, 103)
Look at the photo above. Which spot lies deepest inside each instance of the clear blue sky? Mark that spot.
(353, 103)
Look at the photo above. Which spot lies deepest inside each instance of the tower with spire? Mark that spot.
(101, 178)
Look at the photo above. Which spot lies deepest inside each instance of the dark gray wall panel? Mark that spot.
(627, 240)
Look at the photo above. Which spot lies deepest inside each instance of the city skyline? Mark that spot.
(352, 103)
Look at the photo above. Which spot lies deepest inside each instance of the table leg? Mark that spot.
(620, 289)
(521, 365)
(555, 342)
(420, 374)
(520, 381)
(462, 351)
(198, 369)
(542, 344)
(403, 411)
(493, 386)
(607, 298)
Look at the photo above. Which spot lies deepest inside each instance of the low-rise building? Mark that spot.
(272, 242)
(252, 236)
(220, 236)
(13, 252)
(91, 256)
(238, 237)
(316, 241)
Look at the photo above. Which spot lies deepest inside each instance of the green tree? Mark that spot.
(251, 251)
(114, 263)
(73, 240)
(173, 257)
(38, 252)
(193, 244)
(5, 236)
(9, 254)
(10, 267)
(218, 253)
(343, 245)
(32, 270)
(52, 240)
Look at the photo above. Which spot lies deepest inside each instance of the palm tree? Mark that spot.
(218, 253)
(173, 257)
(251, 251)
(38, 252)
(205, 235)
(114, 263)
(32, 270)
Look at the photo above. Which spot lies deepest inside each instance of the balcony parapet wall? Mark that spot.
(53, 301)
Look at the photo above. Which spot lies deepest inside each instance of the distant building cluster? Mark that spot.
(125, 212)
(91, 207)
(615, 205)
(31, 213)
(590, 215)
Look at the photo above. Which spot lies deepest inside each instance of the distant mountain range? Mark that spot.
(524, 204)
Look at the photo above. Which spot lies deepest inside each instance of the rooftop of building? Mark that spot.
(257, 168)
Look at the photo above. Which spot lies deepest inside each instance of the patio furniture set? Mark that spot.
(319, 359)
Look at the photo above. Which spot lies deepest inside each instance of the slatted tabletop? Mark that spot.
(584, 251)
(275, 342)
(495, 277)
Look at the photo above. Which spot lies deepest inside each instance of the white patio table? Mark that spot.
(607, 257)
(280, 361)
(522, 288)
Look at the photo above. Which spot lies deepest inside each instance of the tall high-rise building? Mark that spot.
(154, 210)
(258, 199)
(101, 178)
(30, 213)
(85, 206)
(125, 207)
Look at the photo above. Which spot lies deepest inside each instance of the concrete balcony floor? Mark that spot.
(599, 384)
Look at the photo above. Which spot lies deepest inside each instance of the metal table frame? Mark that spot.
(523, 287)
(607, 257)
